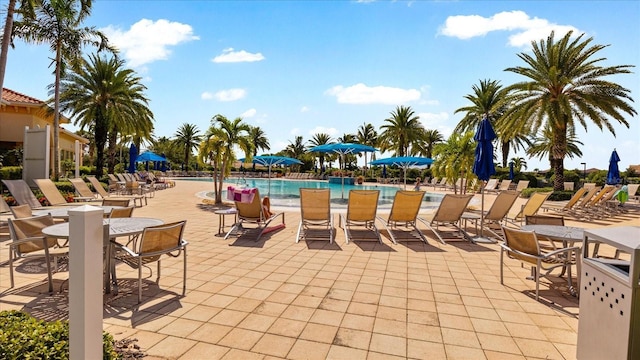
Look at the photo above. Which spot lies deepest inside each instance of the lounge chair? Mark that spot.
(632, 189)
(448, 214)
(315, 212)
(21, 191)
(404, 213)
(82, 188)
(522, 184)
(495, 216)
(104, 194)
(599, 204)
(154, 242)
(584, 201)
(568, 186)
(491, 185)
(361, 211)
(568, 206)
(28, 241)
(524, 246)
(531, 207)
(504, 186)
(253, 213)
(441, 184)
(53, 195)
(589, 185)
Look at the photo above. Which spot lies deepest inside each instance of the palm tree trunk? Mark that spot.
(505, 153)
(100, 137)
(6, 39)
(56, 116)
(113, 140)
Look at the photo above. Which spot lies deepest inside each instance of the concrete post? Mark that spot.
(85, 285)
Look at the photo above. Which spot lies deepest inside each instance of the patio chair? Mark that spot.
(531, 207)
(154, 242)
(54, 196)
(82, 188)
(124, 212)
(584, 201)
(599, 205)
(253, 213)
(28, 241)
(566, 208)
(404, 213)
(441, 184)
(21, 211)
(361, 211)
(569, 185)
(633, 189)
(104, 194)
(448, 214)
(524, 246)
(4, 209)
(545, 220)
(20, 191)
(494, 217)
(521, 185)
(315, 213)
(491, 185)
(116, 202)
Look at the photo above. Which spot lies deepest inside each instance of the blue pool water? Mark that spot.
(286, 192)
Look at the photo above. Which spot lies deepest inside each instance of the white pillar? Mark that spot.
(78, 158)
(85, 282)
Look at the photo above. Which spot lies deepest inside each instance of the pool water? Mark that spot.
(287, 192)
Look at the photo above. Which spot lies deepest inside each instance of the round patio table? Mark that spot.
(63, 212)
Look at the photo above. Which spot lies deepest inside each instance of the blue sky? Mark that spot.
(304, 67)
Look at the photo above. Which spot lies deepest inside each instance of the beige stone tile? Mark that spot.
(309, 350)
(489, 327)
(229, 317)
(456, 352)
(417, 349)
(319, 333)
(287, 327)
(205, 351)
(276, 345)
(270, 308)
(525, 331)
(180, 327)
(357, 322)
(327, 317)
(495, 355)
(210, 333)
(460, 338)
(455, 322)
(537, 348)
(498, 343)
(424, 332)
(300, 313)
(337, 352)
(423, 317)
(257, 322)
(236, 354)
(362, 309)
(390, 327)
(352, 338)
(171, 347)
(387, 344)
(241, 339)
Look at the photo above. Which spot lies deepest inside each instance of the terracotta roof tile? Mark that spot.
(11, 96)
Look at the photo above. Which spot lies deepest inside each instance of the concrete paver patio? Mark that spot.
(312, 300)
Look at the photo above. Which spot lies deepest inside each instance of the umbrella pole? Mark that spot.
(269, 183)
(342, 175)
(480, 238)
(405, 178)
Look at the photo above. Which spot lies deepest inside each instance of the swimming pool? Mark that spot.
(286, 192)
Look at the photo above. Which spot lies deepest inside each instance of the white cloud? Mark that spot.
(248, 114)
(207, 96)
(527, 29)
(304, 109)
(230, 56)
(294, 131)
(437, 121)
(230, 94)
(323, 130)
(363, 94)
(147, 41)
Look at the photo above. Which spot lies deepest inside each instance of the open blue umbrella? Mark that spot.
(149, 156)
(133, 154)
(613, 175)
(270, 160)
(483, 165)
(343, 149)
(404, 162)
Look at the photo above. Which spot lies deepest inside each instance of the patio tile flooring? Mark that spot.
(275, 299)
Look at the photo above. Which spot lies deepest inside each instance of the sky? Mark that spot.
(297, 68)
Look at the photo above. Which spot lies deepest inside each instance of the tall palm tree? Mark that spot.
(567, 86)
(401, 131)
(57, 23)
(187, 138)
(102, 95)
(317, 140)
(519, 163)
(258, 139)
(426, 145)
(367, 135)
(490, 100)
(27, 10)
(542, 145)
(219, 144)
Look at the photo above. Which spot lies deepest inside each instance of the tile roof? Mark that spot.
(11, 96)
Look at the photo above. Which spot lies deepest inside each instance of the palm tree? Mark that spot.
(401, 131)
(367, 135)
(57, 23)
(454, 158)
(187, 138)
(317, 140)
(430, 139)
(218, 147)
(567, 86)
(542, 145)
(104, 96)
(489, 100)
(519, 163)
(258, 139)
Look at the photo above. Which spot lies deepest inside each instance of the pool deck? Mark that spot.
(275, 299)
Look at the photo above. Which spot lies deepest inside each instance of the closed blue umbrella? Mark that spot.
(270, 160)
(511, 170)
(613, 175)
(133, 154)
(404, 162)
(343, 149)
(483, 165)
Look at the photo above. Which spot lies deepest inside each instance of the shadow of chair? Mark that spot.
(361, 211)
(154, 242)
(448, 214)
(315, 214)
(253, 213)
(524, 246)
(28, 241)
(404, 213)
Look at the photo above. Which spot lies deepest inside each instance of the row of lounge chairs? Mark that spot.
(591, 203)
(492, 186)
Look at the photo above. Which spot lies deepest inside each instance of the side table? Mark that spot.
(221, 217)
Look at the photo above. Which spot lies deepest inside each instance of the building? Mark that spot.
(18, 111)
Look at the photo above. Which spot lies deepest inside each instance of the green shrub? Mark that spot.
(526, 193)
(10, 173)
(560, 195)
(24, 337)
